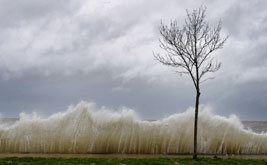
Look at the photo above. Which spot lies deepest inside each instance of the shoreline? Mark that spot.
(65, 155)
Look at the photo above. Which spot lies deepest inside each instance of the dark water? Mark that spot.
(8, 121)
(256, 126)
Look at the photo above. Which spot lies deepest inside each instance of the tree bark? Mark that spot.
(196, 124)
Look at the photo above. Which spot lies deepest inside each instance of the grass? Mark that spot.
(128, 161)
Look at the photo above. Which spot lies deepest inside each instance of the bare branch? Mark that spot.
(210, 78)
(189, 48)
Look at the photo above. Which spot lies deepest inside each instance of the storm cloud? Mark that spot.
(57, 53)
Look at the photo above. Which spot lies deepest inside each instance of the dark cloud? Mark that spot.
(246, 19)
(56, 53)
(13, 13)
(47, 95)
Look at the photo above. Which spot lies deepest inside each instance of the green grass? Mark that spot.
(128, 161)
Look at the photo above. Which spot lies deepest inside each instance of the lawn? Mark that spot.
(127, 161)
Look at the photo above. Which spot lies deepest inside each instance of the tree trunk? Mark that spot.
(196, 123)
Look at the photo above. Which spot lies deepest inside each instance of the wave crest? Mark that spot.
(86, 128)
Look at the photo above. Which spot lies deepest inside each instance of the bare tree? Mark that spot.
(189, 49)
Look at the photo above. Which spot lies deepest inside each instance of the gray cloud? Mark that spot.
(56, 53)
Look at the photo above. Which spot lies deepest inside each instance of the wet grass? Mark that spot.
(128, 161)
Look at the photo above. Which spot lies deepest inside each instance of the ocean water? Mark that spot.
(8, 121)
(256, 126)
(87, 128)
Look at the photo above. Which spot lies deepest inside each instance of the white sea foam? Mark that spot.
(88, 129)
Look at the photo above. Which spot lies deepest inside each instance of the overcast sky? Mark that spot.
(57, 53)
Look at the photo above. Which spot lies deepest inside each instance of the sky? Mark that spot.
(56, 53)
